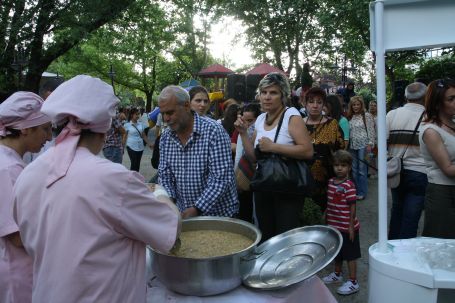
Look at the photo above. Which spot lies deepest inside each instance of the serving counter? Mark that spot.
(418, 270)
(310, 290)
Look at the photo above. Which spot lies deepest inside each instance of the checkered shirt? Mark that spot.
(113, 136)
(201, 172)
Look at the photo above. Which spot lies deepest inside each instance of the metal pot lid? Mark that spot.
(291, 257)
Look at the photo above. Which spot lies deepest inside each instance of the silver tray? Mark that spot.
(291, 257)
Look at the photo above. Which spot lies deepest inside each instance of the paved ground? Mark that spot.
(367, 212)
(368, 216)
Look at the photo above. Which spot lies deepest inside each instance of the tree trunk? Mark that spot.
(148, 102)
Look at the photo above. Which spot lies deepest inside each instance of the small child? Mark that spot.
(341, 214)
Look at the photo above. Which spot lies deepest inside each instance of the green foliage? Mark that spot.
(442, 67)
(190, 49)
(45, 30)
(279, 30)
(366, 94)
(145, 48)
(311, 213)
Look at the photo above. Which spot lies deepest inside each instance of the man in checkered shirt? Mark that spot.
(195, 166)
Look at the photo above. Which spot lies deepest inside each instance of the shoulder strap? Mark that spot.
(413, 134)
(140, 134)
(279, 125)
(365, 124)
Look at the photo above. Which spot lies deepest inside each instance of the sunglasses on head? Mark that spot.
(443, 82)
(275, 77)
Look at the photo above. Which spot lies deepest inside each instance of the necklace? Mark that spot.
(271, 121)
(319, 122)
(316, 129)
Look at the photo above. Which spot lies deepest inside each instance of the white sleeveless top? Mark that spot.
(434, 173)
(283, 137)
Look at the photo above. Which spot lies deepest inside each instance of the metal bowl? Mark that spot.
(209, 276)
(291, 257)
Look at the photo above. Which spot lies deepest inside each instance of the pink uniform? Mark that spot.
(87, 232)
(15, 264)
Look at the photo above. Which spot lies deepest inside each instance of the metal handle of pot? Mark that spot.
(252, 256)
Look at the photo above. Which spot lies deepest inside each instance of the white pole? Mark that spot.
(381, 125)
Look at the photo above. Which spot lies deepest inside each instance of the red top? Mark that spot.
(340, 197)
(234, 137)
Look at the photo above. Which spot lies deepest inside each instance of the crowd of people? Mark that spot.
(71, 210)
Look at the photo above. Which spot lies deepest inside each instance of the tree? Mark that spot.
(45, 30)
(137, 45)
(133, 45)
(192, 51)
(282, 28)
(349, 22)
(437, 68)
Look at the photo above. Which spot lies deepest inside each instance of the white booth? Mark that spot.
(419, 270)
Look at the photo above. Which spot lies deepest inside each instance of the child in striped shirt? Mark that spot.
(341, 214)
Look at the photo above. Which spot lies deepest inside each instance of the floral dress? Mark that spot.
(327, 138)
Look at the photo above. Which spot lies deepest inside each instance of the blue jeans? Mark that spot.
(360, 171)
(113, 153)
(408, 202)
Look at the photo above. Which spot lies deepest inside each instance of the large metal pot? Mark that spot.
(210, 276)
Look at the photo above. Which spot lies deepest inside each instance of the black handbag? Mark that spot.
(276, 173)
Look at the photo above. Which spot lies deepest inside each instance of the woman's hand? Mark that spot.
(266, 145)
(240, 125)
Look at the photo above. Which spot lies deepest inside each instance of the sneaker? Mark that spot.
(332, 278)
(360, 198)
(348, 288)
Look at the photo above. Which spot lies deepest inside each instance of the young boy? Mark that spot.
(341, 214)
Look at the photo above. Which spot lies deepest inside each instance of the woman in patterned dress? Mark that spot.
(327, 137)
(362, 136)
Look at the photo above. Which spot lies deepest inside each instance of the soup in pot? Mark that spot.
(200, 244)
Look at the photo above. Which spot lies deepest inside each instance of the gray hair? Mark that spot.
(415, 91)
(276, 79)
(178, 92)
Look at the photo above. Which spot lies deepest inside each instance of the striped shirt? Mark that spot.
(340, 197)
(401, 123)
(199, 173)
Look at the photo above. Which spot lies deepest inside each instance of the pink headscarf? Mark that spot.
(21, 110)
(86, 103)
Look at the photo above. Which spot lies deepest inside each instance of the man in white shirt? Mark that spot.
(403, 141)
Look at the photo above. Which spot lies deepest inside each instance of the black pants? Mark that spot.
(135, 158)
(277, 212)
(439, 211)
(246, 206)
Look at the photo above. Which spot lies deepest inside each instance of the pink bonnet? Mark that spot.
(21, 110)
(90, 100)
(83, 102)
